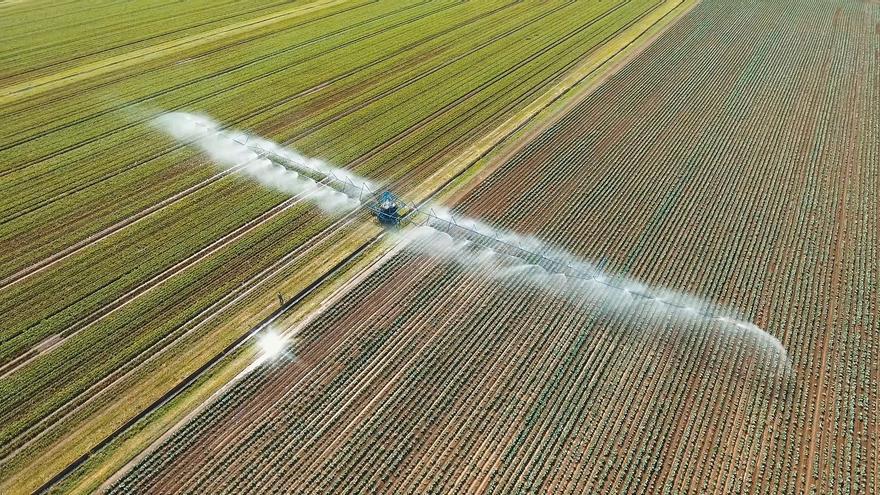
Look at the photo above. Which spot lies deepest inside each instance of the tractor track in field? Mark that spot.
(97, 315)
(95, 238)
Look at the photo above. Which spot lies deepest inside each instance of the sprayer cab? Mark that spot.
(387, 209)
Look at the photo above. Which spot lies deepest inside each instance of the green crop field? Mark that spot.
(130, 264)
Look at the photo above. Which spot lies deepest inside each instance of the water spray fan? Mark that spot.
(392, 212)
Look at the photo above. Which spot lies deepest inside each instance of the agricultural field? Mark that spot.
(735, 159)
(132, 269)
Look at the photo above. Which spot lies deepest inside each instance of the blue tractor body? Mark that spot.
(387, 209)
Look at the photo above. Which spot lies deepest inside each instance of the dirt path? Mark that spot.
(817, 425)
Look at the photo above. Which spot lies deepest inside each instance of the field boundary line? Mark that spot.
(39, 85)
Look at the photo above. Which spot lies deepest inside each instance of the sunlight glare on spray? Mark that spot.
(271, 344)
